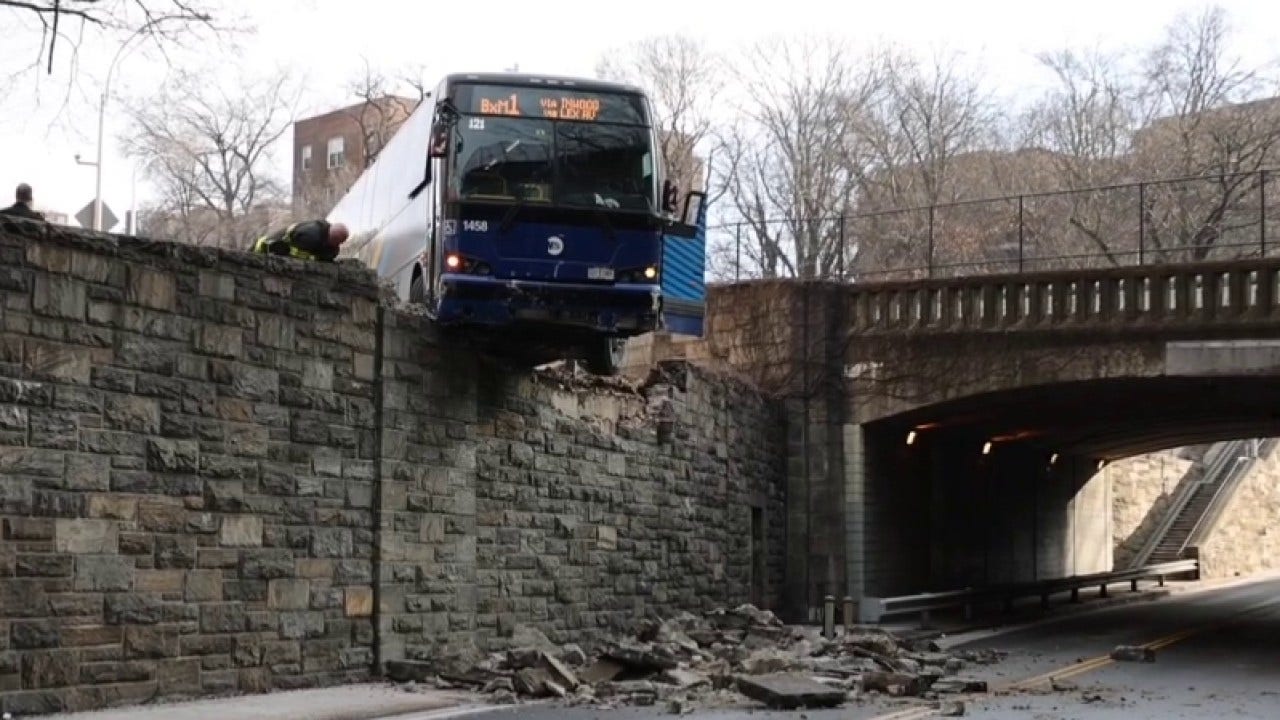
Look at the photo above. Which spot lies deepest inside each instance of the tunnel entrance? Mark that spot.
(1013, 487)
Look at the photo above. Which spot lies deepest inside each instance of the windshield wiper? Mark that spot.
(510, 215)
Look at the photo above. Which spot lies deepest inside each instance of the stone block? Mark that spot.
(241, 531)
(606, 537)
(113, 507)
(43, 565)
(80, 535)
(285, 594)
(179, 677)
(173, 456)
(358, 602)
(133, 609)
(175, 551)
(132, 413)
(203, 586)
(150, 288)
(59, 297)
(159, 581)
(277, 332)
(222, 618)
(33, 634)
(88, 472)
(314, 568)
(364, 367)
(216, 285)
(151, 642)
(331, 542)
(54, 361)
(50, 669)
(220, 341)
(103, 573)
(162, 517)
(17, 528)
(301, 625)
(91, 635)
(137, 544)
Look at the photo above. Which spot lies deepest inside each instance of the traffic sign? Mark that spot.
(85, 216)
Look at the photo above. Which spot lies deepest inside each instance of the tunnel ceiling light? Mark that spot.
(1053, 459)
(911, 437)
(986, 448)
(1102, 463)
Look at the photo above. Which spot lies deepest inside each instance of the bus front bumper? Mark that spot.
(612, 309)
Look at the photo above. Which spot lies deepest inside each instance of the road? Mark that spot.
(1217, 655)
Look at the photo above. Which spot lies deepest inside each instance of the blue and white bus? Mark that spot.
(535, 208)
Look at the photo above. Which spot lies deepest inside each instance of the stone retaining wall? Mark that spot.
(223, 473)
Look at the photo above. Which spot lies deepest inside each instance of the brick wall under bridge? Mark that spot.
(1058, 371)
(226, 473)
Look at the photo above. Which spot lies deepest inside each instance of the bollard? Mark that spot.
(848, 614)
(828, 617)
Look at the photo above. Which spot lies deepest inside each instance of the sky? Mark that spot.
(48, 118)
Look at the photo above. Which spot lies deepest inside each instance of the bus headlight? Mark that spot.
(453, 262)
(650, 273)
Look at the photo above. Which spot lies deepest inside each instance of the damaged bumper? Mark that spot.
(621, 308)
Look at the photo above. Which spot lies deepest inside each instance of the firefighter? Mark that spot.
(310, 240)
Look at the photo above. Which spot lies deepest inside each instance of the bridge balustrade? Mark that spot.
(1156, 296)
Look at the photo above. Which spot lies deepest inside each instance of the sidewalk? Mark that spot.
(350, 702)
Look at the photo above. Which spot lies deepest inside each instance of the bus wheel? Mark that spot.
(417, 290)
(604, 357)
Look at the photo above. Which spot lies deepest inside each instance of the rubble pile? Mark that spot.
(725, 657)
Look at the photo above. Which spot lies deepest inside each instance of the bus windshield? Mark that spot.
(567, 163)
(503, 159)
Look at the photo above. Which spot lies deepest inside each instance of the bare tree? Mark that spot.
(1189, 108)
(1212, 117)
(207, 151)
(383, 106)
(684, 81)
(161, 21)
(792, 164)
(928, 137)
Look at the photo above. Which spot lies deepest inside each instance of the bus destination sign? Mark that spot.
(551, 104)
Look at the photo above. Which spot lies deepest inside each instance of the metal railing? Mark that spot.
(1242, 463)
(875, 609)
(1182, 219)
(1219, 459)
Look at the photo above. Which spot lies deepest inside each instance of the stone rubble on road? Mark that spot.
(723, 658)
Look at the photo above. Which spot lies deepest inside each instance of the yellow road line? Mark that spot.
(1089, 665)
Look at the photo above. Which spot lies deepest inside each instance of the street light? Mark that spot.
(102, 113)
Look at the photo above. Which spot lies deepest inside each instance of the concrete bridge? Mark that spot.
(945, 432)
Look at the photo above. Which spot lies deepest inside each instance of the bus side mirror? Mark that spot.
(670, 196)
(693, 207)
(439, 140)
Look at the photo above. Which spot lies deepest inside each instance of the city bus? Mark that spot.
(533, 211)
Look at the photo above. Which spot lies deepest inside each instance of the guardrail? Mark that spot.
(875, 609)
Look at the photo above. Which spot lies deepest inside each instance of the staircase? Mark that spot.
(1197, 506)
(1170, 546)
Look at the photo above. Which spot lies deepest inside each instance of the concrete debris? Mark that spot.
(951, 708)
(790, 692)
(728, 657)
(1133, 653)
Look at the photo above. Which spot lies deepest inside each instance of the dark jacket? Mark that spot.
(22, 210)
(305, 240)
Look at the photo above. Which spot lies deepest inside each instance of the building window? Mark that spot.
(306, 158)
(336, 159)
